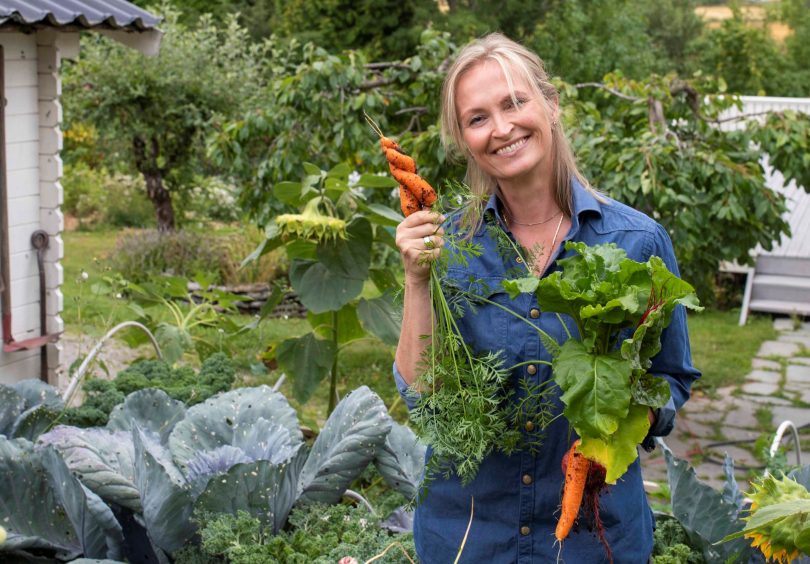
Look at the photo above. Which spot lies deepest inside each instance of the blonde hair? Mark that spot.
(513, 58)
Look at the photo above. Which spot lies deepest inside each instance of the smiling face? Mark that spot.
(511, 142)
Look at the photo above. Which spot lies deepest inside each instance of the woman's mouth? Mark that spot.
(511, 148)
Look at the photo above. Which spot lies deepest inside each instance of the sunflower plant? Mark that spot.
(330, 235)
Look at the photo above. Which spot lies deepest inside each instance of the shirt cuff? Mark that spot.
(405, 391)
(662, 426)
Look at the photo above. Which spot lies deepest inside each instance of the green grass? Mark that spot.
(722, 350)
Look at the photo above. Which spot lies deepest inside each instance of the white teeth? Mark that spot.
(511, 148)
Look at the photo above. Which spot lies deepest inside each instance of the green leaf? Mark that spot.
(100, 533)
(618, 451)
(312, 170)
(32, 512)
(520, 286)
(321, 290)
(307, 360)
(173, 341)
(384, 279)
(34, 421)
(214, 423)
(345, 446)
(382, 215)
(265, 490)
(348, 325)
(288, 192)
(12, 405)
(650, 390)
(596, 390)
(351, 257)
(104, 459)
(166, 498)
(150, 409)
(379, 318)
(340, 171)
(704, 514)
(401, 460)
(339, 275)
(377, 181)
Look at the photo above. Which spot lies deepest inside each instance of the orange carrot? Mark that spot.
(415, 192)
(576, 475)
(407, 201)
(387, 143)
(420, 187)
(398, 159)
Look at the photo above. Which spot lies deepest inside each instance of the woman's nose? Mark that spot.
(502, 125)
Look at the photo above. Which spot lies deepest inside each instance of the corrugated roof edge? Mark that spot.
(108, 14)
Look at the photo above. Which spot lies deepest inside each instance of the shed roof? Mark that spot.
(105, 14)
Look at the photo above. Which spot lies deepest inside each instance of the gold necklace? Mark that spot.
(553, 244)
(511, 219)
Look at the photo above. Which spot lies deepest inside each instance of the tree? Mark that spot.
(312, 110)
(582, 40)
(156, 111)
(383, 29)
(657, 145)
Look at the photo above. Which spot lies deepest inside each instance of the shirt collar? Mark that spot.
(583, 202)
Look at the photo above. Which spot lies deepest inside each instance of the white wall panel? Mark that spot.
(21, 128)
(23, 155)
(21, 73)
(21, 184)
(19, 46)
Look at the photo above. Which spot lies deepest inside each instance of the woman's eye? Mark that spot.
(475, 120)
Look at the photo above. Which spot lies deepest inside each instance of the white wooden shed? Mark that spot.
(779, 282)
(35, 35)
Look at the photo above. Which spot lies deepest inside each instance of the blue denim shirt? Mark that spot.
(517, 497)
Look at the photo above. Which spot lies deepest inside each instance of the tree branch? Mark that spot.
(376, 84)
(608, 89)
(414, 109)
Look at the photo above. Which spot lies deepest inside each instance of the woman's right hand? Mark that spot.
(419, 239)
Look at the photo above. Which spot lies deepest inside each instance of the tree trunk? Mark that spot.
(157, 193)
(161, 199)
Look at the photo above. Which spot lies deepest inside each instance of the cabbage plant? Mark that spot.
(157, 462)
(28, 408)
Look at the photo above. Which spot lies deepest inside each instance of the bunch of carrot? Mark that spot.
(415, 193)
(583, 479)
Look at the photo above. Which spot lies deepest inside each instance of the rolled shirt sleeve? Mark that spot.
(409, 396)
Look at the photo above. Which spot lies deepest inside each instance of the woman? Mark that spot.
(501, 113)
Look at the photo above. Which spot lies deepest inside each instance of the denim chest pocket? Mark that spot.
(484, 326)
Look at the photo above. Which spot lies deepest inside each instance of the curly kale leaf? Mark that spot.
(101, 396)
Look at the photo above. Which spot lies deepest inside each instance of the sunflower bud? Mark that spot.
(312, 224)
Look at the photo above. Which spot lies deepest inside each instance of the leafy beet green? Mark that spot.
(606, 388)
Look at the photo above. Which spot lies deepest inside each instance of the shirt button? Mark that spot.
(519, 260)
(527, 479)
(524, 530)
(531, 369)
(529, 425)
(534, 312)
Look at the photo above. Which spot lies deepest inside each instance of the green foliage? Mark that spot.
(657, 147)
(318, 534)
(582, 40)
(329, 246)
(314, 103)
(96, 198)
(153, 112)
(384, 29)
(217, 374)
(746, 57)
(140, 256)
(671, 544)
(101, 396)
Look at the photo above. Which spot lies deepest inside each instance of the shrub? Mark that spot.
(96, 197)
(141, 255)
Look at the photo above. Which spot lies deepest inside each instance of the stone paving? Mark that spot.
(776, 389)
